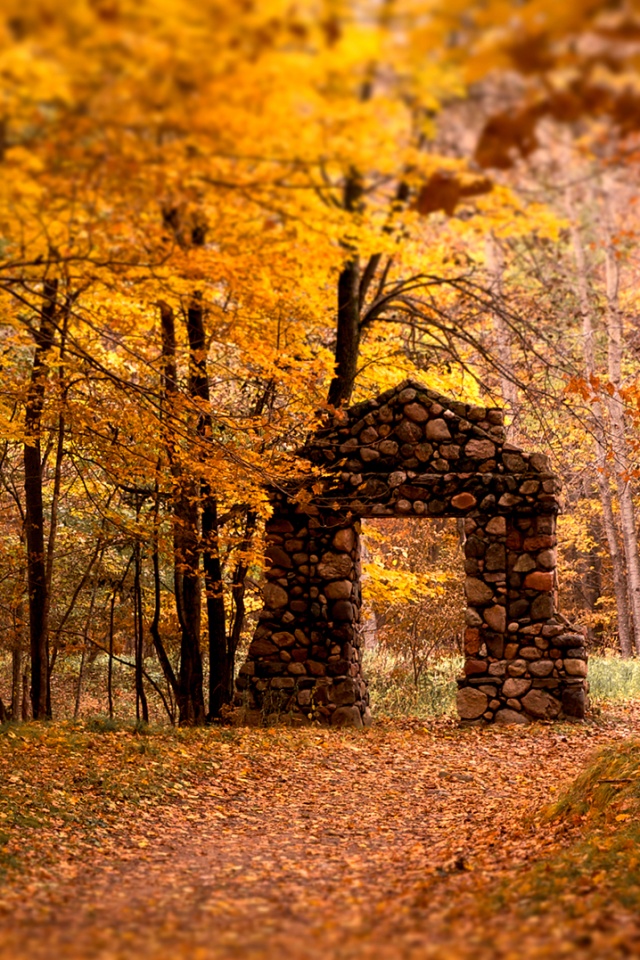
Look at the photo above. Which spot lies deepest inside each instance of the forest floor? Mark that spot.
(412, 839)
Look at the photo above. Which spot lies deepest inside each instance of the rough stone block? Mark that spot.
(471, 703)
(347, 717)
(510, 716)
(541, 705)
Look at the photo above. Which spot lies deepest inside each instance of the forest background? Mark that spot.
(220, 221)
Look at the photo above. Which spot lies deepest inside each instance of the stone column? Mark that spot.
(304, 660)
(522, 661)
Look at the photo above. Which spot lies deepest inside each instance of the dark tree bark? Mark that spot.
(220, 667)
(349, 310)
(36, 560)
(186, 546)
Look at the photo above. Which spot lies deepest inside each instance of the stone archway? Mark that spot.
(411, 452)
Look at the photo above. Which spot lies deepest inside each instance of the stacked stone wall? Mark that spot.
(411, 452)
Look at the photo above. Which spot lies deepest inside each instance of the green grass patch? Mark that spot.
(611, 678)
(394, 693)
(601, 863)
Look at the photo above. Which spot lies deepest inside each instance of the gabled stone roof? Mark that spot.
(411, 440)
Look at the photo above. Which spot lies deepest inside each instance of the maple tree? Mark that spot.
(199, 255)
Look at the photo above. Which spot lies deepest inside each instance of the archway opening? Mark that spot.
(413, 614)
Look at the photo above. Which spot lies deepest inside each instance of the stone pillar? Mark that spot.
(522, 662)
(304, 660)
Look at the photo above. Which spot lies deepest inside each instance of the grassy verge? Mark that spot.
(599, 866)
(394, 694)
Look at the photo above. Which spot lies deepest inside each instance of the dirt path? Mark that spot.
(388, 847)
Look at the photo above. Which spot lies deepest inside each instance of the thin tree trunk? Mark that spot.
(142, 709)
(186, 546)
(76, 709)
(216, 615)
(36, 560)
(25, 696)
(110, 662)
(154, 627)
(618, 432)
(16, 658)
(348, 313)
(602, 472)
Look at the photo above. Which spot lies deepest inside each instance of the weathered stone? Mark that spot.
(497, 526)
(471, 703)
(539, 543)
(541, 668)
(283, 683)
(314, 572)
(368, 435)
(515, 688)
(437, 430)
(344, 539)
(498, 669)
(575, 668)
(274, 596)
(388, 448)
(513, 463)
(342, 610)
(416, 412)
(496, 618)
(541, 705)
(547, 559)
(463, 501)
(338, 590)
(539, 581)
(542, 607)
(283, 639)
(397, 478)
(480, 449)
(475, 666)
(423, 451)
(477, 591)
(262, 648)
(517, 668)
(529, 487)
(368, 455)
(409, 432)
(510, 716)
(530, 653)
(496, 557)
(347, 717)
(574, 701)
(471, 641)
(315, 668)
(334, 566)
(450, 451)
(407, 395)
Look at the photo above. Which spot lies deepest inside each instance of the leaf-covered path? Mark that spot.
(402, 842)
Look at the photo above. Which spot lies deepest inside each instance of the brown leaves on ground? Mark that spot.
(410, 840)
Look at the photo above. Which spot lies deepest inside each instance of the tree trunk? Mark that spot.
(36, 561)
(348, 315)
(618, 435)
(186, 546)
(142, 709)
(602, 472)
(219, 668)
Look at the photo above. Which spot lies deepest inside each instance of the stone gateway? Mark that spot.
(411, 452)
